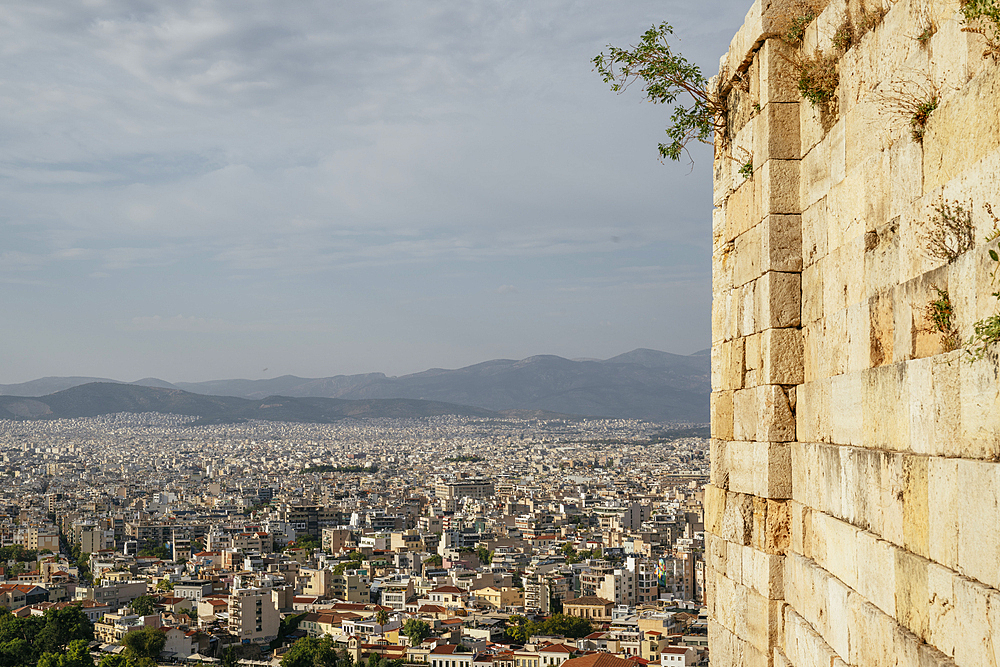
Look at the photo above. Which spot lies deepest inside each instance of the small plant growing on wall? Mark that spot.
(912, 101)
(949, 232)
(986, 331)
(983, 17)
(940, 317)
(797, 28)
(818, 77)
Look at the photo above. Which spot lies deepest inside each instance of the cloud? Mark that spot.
(506, 289)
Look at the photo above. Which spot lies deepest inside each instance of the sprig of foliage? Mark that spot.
(951, 231)
(666, 78)
(986, 332)
(918, 122)
(818, 78)
(940, 316)
(797, 29)
(983, 17)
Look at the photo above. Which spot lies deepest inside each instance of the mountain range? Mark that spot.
(642, 384)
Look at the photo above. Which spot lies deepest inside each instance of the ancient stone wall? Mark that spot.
(854, 505)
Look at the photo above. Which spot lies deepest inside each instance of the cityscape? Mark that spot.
(248, 537)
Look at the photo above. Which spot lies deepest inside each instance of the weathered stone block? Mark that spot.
(781, 243)
(963, 129)
(912, 593)
(781, 356)
(722, 415)
(779, 300)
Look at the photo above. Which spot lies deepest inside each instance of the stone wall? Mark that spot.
(854, 505)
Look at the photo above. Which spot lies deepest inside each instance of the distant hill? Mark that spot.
(102, 398)
(641, 384)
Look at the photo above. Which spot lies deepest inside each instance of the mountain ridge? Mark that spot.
(641, 384)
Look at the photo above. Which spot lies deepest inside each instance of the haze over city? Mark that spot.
(200, 190)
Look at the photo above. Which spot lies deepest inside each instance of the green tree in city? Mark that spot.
(143, 646)
(144, 605)
(416, 630)
(77, 655)
(382, 617)
(312, 652)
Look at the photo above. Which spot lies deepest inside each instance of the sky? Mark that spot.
(207, 189)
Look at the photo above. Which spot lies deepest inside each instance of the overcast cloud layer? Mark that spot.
(204, 189)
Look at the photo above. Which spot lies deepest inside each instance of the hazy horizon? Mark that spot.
(197, 191)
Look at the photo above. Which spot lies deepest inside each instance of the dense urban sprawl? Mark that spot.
(446, 541)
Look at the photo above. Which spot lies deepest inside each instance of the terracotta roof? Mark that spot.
(556, 648)
(598, 660)
(448, 589)
(588, 601)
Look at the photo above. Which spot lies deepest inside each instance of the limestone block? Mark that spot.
(812, 411)
(845, 205)
(803, 644)
(906, 170)
(943, 630)
(928, 656)
(875, 172)
(980, 408)
(737, 522)
(781, 243)
(745, 414)
(964, 128)
(772, 470)
(915, 508)
(912, 593)
(972, 611)
(798, 526)
(858, 340)
(871, 635)
(722, 415)
(881, 269)
(734, 562)
(876, 572)
(814, 178)
(719, 470)
(814, 226)
(778, 135)
(836, 352)
(747, 258)
(812, 292)
(764, 622)
(979, 516)
(811, 120)
(831, 484)
(886, 414)
(779, 187)
(947, 403)
(846, 414)
(775, 420)
(838, 619)
(764, 573)
(742, 210)
(843, 544)
(779, 300)
(716, 553)
(882, 334)
(836, 141)
(813, 351)
(715, 509)
(860, 505)
(778, 81)
(731, 365)
(752, 360)
(749, 319)
(834, 282)
(943, 522)
(781, 356)
(891, 492)
(779, 659)
(770, 532)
